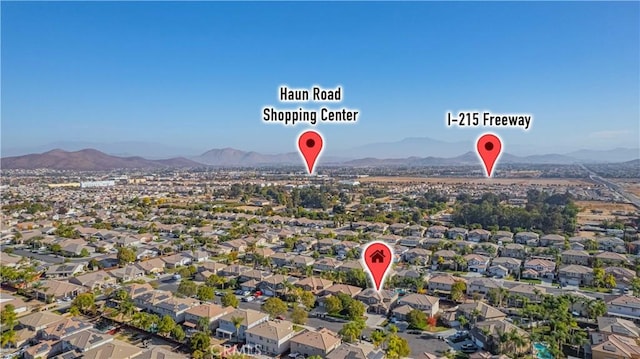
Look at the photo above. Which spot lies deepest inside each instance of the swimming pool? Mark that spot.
(542, 351)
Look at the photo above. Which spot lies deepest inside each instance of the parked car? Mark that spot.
(469, 348)
(248, 299)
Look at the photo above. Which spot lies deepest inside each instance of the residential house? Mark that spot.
(624, 276)
(175, 307)
(127, 273)
(532, 293)
(612, 259)
(233, 270)
(177, 260)
(51, 290)
(477, 263)
(611, 244)
(480, 311)
(94, 280)
(379, 302)
(314, 284)
(146, 253)
(514, 250)
(426, 303)
(576, 257)
(254, 274)
(271, 337)
(64, 270)
(478, 235)
(85, 340)
(276, 284)
(411, 242)
(512, 264)
(198, 256)
(342, 288)
(543, 268)
(619, 326)
(481, 286)
(575, 274)
(457, 232)
(114, 349)
(417, 256)
(250, 318)
(624, 306)
(151, 266)
(503, 237)
(212, 313)
(39, 320)
(150, 299)
(436, 231)
(320, 342)
(487, 334)
(616, 347)
(347, 266)
(75, 247)
(442, 283)
(552, 240)
(526, 237)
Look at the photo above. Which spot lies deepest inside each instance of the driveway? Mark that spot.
(420, 343)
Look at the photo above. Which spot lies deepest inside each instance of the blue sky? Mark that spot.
(196, 75)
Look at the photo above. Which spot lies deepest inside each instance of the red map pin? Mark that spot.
(310, 146)
(377, 257)
(489, 148)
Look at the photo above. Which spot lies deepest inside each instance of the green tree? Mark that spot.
(85, 302)
(188, 288)
(230, 300)
(397, 347)
(126, 255)
(8, 317)
(355, 310)
(610, 281)
(333, 305)
(458, 290)
(84, 252)
(166, 325)
(178, 333)
(200, 341)
(377, 338)
(417, 319)
(74, 311)
(307, 299)
(8, 337)
(237, 322)
(205, 293)
(352, 331)
(299, 316)
(274, 307)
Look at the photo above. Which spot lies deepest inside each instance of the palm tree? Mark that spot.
(237, 322)
(474, 315)
(517, 340)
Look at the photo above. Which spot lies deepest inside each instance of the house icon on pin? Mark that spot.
(377, 256)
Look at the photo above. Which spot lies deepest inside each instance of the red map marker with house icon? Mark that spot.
(377, 257)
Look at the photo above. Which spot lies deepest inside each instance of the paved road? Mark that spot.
(614, 187)
(47, 258)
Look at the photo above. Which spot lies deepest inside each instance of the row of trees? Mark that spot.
(548, 213)
(393, 345)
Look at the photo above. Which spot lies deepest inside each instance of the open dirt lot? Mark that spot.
(630, 185)
(451, 180)
(609, 211)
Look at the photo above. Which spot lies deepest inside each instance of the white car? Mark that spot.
(248, 299)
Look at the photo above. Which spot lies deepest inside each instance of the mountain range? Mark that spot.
(92, 160)
(88, 160)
